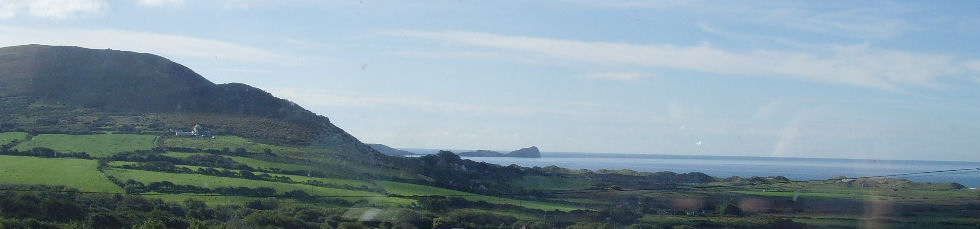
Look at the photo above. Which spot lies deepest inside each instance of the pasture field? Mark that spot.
(727, 221)
(406, 189)
(8, 137)
(96, 145)
(214, 182)
(877, 189)
(121, 163)
(212, 200)
(382, 214)
(75, 173)
(859, 221)
(332, 181)
(329, 167)
(551, 183)
(807, 194)
(229, 142)
(251, 162)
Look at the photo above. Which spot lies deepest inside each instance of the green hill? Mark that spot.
(56, 89)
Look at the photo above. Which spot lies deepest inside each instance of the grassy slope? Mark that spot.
(406, 189)
(251, 162)
(230, 142)
(329, 167)
(551, 183)
(214, 182)
(333, 181)
(313, 154)
(886, 189)
(336, 181)
(99, 145)
(803, 194)
(211, 200)
(77, 173)
(8, 137)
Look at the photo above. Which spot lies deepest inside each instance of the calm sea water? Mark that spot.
(726, 166)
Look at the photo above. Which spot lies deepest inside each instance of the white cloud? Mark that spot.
(52, 9)
(872, 20)
(754, 38)
(622, 76)
(859, 65)
(318, 97)
(476, 55)
(161, 2)
(973, 65)
(160, 44)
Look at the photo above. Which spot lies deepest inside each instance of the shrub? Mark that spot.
(589, 225)
(729, 208)
(266, 218)
(351, 225)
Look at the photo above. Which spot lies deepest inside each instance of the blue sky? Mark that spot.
(842, 79)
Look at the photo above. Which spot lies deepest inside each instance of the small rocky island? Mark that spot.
(529, 152)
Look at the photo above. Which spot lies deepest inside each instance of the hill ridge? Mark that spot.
(106, 83)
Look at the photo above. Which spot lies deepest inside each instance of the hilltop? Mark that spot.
(58, 89)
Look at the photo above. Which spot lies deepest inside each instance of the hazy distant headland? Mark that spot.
(529, 152)
(386, 150)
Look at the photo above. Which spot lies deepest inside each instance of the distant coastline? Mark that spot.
(796, 168)
(422, 152)
(728, 166)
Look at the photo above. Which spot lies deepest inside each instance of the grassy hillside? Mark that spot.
(8, 137)
(551, 183)
(100, 145)
(251, 162)
(215, 182)
(228, 142)
(81, 90)
(406, 189)
(327, 166)
(76, 173)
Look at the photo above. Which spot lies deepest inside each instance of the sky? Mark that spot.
(825, 79)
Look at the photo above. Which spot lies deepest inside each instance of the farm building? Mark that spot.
(197, 131)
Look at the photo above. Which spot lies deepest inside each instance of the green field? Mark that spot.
(807, 194)
(334, 181)
(406, 189)
(331, 181)
(8, 137)
(383, 214)
(122, 163)
(214, 182)
(229, 142)
(334, 168)
(98, 145)
(551, 183)
(207, 198)
(885, 189)
(76, 173)
(251, 162)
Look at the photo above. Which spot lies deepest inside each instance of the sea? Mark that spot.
(727, 166)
